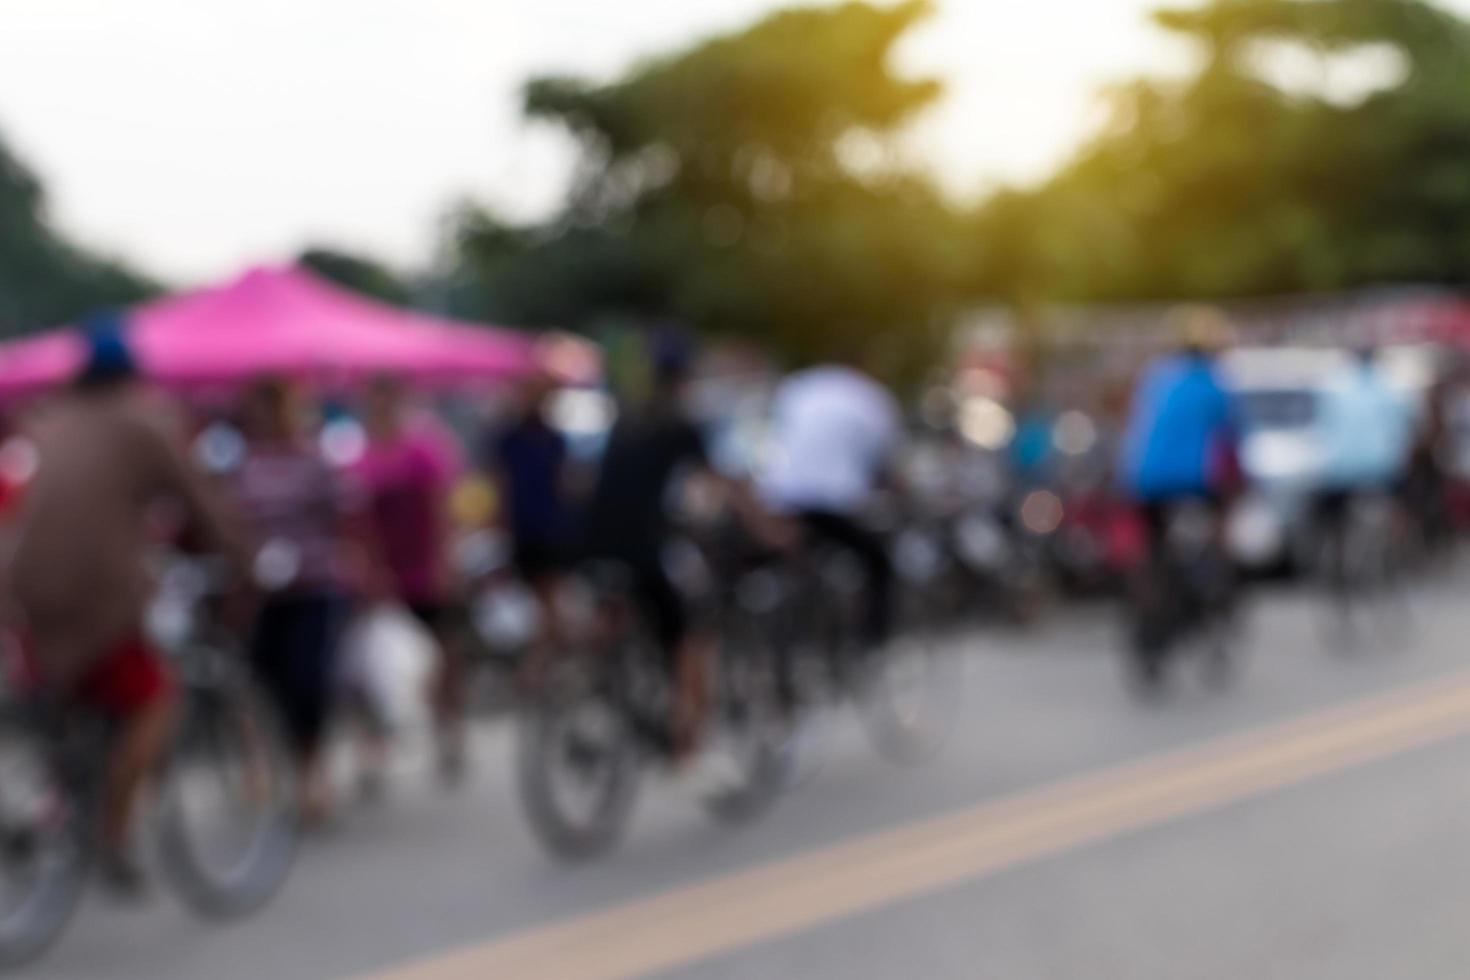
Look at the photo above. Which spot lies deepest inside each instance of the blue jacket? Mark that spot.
(1181, 425)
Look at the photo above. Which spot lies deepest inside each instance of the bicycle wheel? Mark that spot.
(1370, 589)
(227, 821)
(909, 693)
(577, 766)
(43, 846)
(754, 749)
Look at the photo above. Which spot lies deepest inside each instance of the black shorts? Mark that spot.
(436, 616)
(658, 600)
(663, 605)
(535, 560)
(846, 532)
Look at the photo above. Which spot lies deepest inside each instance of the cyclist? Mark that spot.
(835, 431)
(78, 575)
(1366, 430)
(628, 521)
(1180, 443)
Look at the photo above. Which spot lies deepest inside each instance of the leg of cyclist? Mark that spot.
(132, 685)
(690, 654)
(1148, 587)
(847, 533)
(141, 743)
(1332, 508)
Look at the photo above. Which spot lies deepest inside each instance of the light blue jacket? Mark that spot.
(1365, 430)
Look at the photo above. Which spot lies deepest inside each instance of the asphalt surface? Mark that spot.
(1351, 864)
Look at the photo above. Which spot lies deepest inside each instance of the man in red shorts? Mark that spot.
(106, 465)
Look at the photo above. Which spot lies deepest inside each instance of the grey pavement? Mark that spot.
(1360, 874)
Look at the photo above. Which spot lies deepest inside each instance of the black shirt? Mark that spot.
(627, 517)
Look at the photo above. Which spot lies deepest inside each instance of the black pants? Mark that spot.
(845, 532)
(1157, 515)
(661, 601)
(294, 652)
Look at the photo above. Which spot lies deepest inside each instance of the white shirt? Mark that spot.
(833, 431)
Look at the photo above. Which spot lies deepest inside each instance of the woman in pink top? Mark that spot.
(407, 473)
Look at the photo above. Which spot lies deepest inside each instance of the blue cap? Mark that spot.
(109, 357)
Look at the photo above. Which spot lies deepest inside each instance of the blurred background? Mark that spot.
(908, 163)
(1002, 212)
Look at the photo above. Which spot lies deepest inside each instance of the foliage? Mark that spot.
(44, 279)
(1226, 184)
(358, 273)
(749, 186)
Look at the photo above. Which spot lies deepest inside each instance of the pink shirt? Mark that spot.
(406, 481)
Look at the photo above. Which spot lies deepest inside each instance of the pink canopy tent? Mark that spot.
(279, 321)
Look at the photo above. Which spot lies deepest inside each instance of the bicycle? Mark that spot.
(1364, 564)
(602, 720)
(1186, 591)
(907, 690)
(52, 759)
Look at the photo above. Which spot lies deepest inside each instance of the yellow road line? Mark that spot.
(727, 913)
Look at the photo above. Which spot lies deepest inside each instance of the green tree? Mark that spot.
(1228, 184)
(750, 186)
(358, 273)
(45, 279)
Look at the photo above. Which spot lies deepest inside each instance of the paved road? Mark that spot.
(1310, 823)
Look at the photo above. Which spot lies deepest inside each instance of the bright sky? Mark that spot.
(200, 135)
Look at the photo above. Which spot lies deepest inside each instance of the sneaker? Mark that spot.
(123, 877)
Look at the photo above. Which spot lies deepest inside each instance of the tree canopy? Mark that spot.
(1229, 183)
(756, 185)
(45, 279)
(749, 186)
(358, 273)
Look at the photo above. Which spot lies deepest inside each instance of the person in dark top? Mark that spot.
(529, 462)
(628, 521)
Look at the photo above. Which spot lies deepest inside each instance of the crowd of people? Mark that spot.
(312, 538)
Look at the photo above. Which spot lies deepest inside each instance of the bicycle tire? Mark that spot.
(902, 730)
(230, 707)
(751, 713)
(42, 917)
(540, 728)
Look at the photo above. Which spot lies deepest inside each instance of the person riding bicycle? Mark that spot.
(835, 431)
(1366, 430)
(1181, 440)
(628, 521)
(108, 468)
